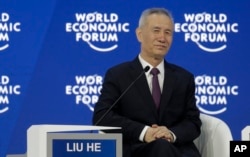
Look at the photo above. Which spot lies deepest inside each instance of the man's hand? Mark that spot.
(156, 132)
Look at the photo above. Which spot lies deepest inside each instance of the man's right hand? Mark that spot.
(155, 132)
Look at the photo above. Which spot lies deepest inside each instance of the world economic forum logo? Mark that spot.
(207, 30)
(6, 27)
(86, 90)
(99, 30)
(7, 89)
(213, 92)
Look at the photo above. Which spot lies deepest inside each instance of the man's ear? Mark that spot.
(138, 32)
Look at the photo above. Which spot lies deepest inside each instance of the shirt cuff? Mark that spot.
(174, 137)
(141, 138)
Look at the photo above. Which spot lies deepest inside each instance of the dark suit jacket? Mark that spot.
(136, 108)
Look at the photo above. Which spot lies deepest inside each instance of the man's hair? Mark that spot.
(151, 11)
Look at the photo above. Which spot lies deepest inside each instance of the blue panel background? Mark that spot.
(43, 58)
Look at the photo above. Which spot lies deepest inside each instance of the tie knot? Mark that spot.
(154, 71)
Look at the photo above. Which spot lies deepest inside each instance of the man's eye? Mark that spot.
(168, 32)
(156, 30)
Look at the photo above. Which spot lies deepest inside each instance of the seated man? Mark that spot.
(158, 114)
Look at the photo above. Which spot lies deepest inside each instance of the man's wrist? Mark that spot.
(173, 135)
(142, 135)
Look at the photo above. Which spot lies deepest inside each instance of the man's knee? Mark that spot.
(162, 143)
(165, 147)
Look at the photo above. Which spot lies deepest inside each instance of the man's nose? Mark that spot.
(162, 37)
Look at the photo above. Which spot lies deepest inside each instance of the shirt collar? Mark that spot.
(145, 63)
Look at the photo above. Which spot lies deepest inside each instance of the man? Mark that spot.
(165, 130)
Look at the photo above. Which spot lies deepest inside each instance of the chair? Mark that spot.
(215, 137)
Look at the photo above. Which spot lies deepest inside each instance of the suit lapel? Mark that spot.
(142, 86)
(168, 85)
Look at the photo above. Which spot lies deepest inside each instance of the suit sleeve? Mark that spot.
(188, 128)
(111, 90)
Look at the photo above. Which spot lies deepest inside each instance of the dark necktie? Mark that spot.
(156, 91)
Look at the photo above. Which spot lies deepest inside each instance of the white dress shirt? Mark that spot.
(149, 77)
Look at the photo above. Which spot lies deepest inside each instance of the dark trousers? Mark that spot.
(162, 148)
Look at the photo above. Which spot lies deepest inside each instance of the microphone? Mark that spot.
(124, 92)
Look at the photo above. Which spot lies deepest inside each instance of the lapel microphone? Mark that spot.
(123, 93)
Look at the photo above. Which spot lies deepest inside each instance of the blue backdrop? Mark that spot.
(54, 54)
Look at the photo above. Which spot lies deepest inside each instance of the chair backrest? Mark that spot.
(215, 137)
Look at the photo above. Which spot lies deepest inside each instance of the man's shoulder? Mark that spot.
(126, 65)
(178, 69)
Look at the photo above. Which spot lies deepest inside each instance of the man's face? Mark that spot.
(155, 36)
